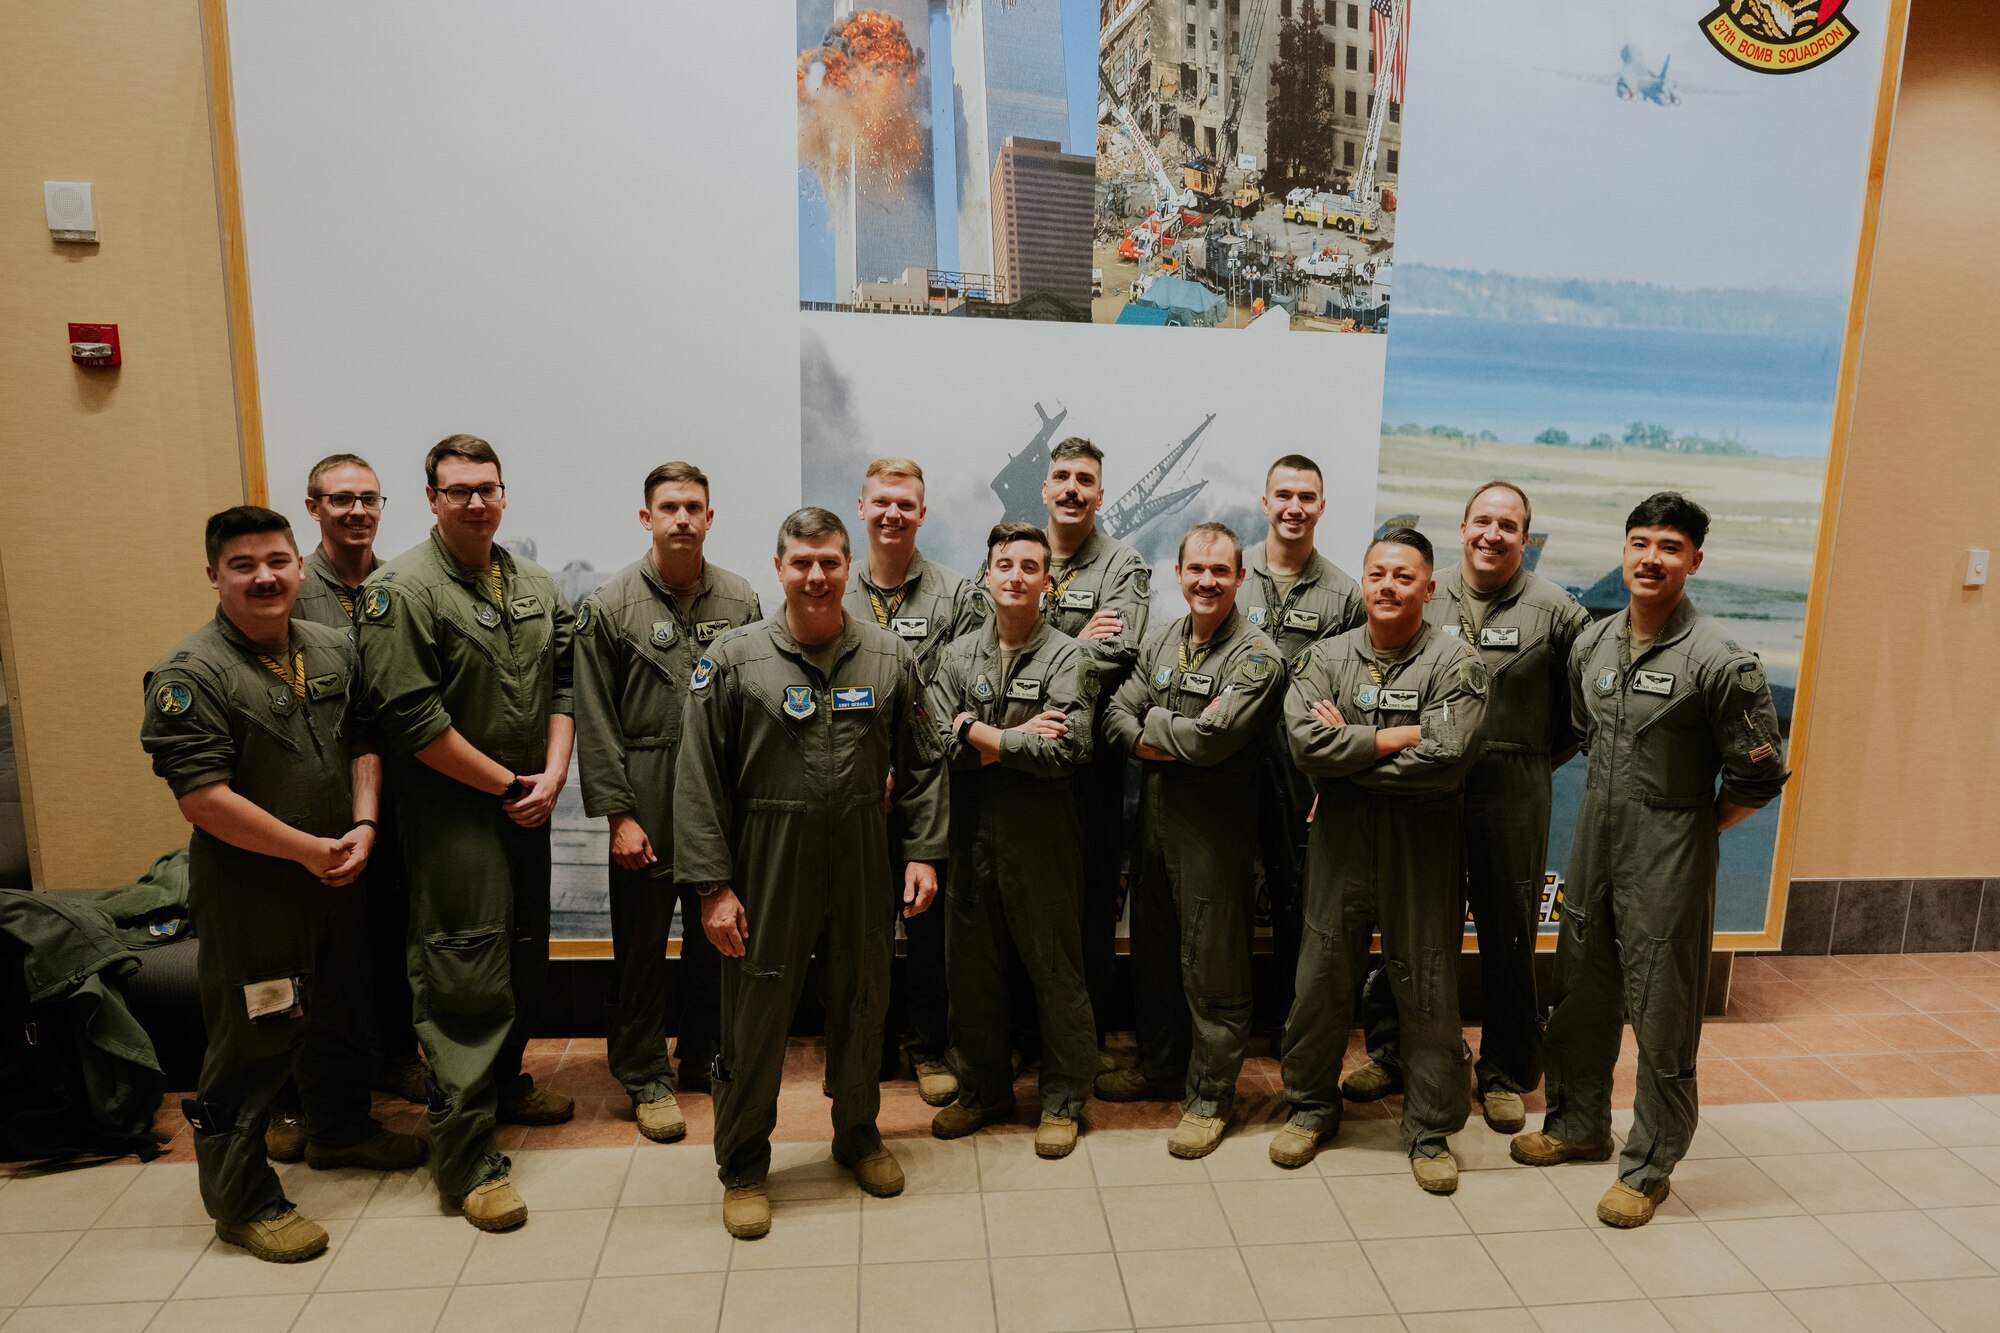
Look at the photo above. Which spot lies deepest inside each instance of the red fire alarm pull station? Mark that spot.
(94, 345)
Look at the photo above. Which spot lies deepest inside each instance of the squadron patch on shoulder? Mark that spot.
(1474, 676)
(172, 698)
(1749, 677)
(704, 671)
(1256, 669)
(584, 616)
(375, 603)
(1144, 583)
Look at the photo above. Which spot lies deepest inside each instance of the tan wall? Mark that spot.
(1902, 773)
(107, 474)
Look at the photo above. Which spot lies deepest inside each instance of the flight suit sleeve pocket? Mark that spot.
(466, 971)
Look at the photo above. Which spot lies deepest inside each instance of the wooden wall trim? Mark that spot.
(235, 257)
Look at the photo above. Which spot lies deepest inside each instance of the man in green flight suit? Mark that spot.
(1522, 626)
(1196, 708)
(465, 649)
(255, 721)
(1298, 597)
(637, 640)
(1683, 742)
(344, 497)
(792, 729)
(1100, 592)
(1387, 852)
(1017, 698)
(927, 605)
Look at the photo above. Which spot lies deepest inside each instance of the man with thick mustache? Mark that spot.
(1204, 693)
(927, 605)
(1099, 593)
(1522, 626)
(1386, 721)
(1683, 742)
(1298, 597)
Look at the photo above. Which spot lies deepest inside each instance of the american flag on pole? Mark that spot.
(1389, 24)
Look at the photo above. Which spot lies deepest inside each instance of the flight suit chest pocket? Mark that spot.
(1656, 699)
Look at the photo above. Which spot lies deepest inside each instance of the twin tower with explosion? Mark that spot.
(865, 130)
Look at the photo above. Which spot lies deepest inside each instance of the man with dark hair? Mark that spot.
(465, 648)
(255, 722)
(1522, 626)
(927, 606)
(1016, 697)
(1683, 742)
(792, 728)
(1297, 597)
(637, 640)
(1099, 593)
(1196, 709)
(1387, 852)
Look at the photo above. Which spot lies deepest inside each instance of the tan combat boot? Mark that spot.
(1055, 1136)
(1438, 1175)
(746, 1212)
(1297, 1144)
(1196, 1135)
(387, 1151)
(661, 1121)
(287, 1238)
(1371, 1083)
(936, 1084)
(1539, 1149)
(284, 1137)
(1129, 1085)
(961, 1118)
(878, 1173)
(1504, 1112)
(1623, 1206)
(495, 1206)
(537, 1106)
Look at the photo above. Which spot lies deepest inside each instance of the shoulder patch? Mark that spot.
(1256, 668)
(704, 672)
(586, 614)
(1473, 673)
(1749, 677)
(375, 603)
(172, 697)
(1144, 583)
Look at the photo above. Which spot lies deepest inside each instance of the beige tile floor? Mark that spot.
(1830, 1215)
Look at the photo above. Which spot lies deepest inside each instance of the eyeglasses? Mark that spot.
(342, 500)
(458, 497)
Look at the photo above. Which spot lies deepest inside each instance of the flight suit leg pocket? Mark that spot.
(1665, 1008)
(274, 998)
(465, 972)
(1215, 958)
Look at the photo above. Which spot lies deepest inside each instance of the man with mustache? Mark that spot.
(465, 648)
(637, 640)
(1099, 593)
(1683, 742)
(792, 728)
(256, 723)
(1386, 721)
(1298, 597)
(1522, 626)
(1195, 708)
(927, 606)
(1017, 698)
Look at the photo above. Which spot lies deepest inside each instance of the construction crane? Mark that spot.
(1167, 197)
(1246, 58)
(1143, 502)
(1385, 64)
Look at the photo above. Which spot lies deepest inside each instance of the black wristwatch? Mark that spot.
(965, 728)
(365, 823)
(516, 789)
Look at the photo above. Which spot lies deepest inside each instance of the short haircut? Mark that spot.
(809, 523)
(243, 521)
(469, 447)
(1004, 533)
(1527, 507)
(1298, 463)
(329, 463)
(1670, 509)
(1409, 537)
(678, 473)
(1221, 530)
(895, 467)
(1077, 447)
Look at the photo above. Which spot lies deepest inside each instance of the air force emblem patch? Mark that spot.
(1258, 615)
(1607, 681)
(799, 701)
(663, 633)
(1366, 696)
(704, 672)
(172, 697)
(375, 603)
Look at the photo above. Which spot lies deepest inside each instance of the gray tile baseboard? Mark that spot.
(1892, 916)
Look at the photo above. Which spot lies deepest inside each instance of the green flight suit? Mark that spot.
(636, 646)
(272, 936)
(392, 1037)
(934, 605)
(1638, 916)
(1387, 852)
(437, 653)
(1324, 602)
(1524, 640)
(1103, 574)
(1016, 862)
(1195, 896)
(779, 794)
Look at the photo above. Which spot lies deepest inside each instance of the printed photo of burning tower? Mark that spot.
(1247, 159)
(938, 163)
